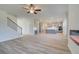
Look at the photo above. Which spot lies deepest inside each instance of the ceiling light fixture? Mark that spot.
(31, 8)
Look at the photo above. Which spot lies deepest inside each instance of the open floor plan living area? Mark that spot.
(39, 29)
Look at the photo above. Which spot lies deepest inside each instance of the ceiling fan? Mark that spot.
(31, 8)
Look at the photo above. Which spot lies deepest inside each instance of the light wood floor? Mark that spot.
(35, 44)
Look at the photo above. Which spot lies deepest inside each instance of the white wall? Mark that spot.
(73, 25)
(26, 24)
(65, 26)
(65, 30)
(74, 17)
(6, 32)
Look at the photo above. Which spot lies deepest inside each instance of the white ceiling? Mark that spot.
(48, 10)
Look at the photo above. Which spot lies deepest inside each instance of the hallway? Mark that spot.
(42, 32)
